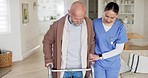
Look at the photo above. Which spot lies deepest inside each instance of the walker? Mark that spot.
(50, 70)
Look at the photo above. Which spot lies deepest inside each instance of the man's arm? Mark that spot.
(48, 42)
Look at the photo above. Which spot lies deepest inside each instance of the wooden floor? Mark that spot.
(33, 66)
(4, 71)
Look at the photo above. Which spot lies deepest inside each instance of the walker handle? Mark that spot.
(50, 70)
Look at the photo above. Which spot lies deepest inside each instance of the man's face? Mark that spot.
(77, 17)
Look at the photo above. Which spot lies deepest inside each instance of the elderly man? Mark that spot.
(68, 42)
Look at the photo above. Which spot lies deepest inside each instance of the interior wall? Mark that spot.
(146, 21)
(12, 41)
(29, 31)
(23, 39)
(138, 22)
(139, 16)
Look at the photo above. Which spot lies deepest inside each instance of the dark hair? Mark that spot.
(112, 6)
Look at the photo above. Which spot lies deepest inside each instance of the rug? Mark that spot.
(4, 71)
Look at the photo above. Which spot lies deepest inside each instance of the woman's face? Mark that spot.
(109, 17)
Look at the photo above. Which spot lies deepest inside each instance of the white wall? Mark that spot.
(139, 16)
(23, 39)
(29, 31)
(12, 41)
(67, 5)
(140, 25)
(44, 26)
(138, 21)
(146, 21)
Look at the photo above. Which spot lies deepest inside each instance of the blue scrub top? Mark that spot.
(106, 41)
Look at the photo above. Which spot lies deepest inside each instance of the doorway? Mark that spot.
(93, 9)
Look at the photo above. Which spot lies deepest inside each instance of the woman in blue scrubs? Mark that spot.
(110, 36)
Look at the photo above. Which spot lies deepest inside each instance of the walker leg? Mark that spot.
(92, 71)
(49, 72)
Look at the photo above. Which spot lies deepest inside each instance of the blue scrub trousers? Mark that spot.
(100, 72)
(70, 74)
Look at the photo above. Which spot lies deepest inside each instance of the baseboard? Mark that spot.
(31, 51)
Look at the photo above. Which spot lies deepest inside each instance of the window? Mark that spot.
(50, 9)
(4, 17)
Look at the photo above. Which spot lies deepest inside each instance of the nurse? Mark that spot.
(110, 36)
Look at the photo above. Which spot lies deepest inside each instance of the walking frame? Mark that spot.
(50, 70)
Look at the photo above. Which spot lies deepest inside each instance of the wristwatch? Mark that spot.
(100, 56)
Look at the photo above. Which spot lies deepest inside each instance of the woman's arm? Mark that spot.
(116, 51)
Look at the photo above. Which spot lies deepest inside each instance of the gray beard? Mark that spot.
(76, 24)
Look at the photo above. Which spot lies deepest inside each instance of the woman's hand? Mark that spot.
(93, 57)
